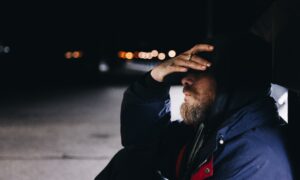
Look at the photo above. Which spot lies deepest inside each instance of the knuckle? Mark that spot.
(196, 46)
(176, 61)
(191, 63)
(181, 56)
(187, 63)
(170, 65)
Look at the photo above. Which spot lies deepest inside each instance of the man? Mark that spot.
(230, 128)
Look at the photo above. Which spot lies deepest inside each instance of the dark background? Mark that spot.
(39, 34)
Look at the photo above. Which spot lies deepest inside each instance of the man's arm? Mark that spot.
(146, 104)
(145, 111)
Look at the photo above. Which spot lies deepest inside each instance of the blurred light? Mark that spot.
(154, 53)
(136, 54)
(172, 53)
(142, 55)
(6, 49)
(129, 55)
(161, 56)
(148, 56)
(103, 67)
(76, 54)
(68, 55)
(121, 54)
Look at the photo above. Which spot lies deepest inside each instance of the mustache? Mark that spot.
(189, 90)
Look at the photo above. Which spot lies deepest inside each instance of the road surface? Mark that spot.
(60, 133)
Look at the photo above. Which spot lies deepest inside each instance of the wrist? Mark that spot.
(154, 75)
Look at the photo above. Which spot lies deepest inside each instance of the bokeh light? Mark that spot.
(154, 53)
(161, 56)
(172, 53)
(129, 55)
(68, 55)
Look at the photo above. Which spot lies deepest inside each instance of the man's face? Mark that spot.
(200, 92)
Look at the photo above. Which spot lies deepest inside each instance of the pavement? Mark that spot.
(60, 133)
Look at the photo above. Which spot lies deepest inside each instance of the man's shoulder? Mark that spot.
(263, 142)
(259, 151)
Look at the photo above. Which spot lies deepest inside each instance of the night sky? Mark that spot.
(39, 33)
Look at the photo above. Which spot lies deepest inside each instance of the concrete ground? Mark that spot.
(63, 135)
(60, 134)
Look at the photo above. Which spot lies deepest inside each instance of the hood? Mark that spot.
(239, 59)
(258, 112)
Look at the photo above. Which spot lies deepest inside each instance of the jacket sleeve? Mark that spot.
(145, 111)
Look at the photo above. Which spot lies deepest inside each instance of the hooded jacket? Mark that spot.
(240, 139)
(248, 144)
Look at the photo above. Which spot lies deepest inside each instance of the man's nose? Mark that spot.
(187, 81)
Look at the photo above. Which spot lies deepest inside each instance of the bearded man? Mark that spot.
(230, 128)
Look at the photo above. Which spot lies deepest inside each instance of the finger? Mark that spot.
(185, 56)
(178, 69)
(201, 48)
(195, 58)
(201, 61)
(189, 64)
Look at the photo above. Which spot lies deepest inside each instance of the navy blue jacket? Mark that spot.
(248, 144)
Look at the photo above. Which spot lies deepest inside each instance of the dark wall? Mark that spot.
(286, 40)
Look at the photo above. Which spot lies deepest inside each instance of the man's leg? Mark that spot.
(131, 164)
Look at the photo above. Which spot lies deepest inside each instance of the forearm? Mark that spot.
(145, 110)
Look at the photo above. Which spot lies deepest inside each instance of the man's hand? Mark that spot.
(183, 62)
